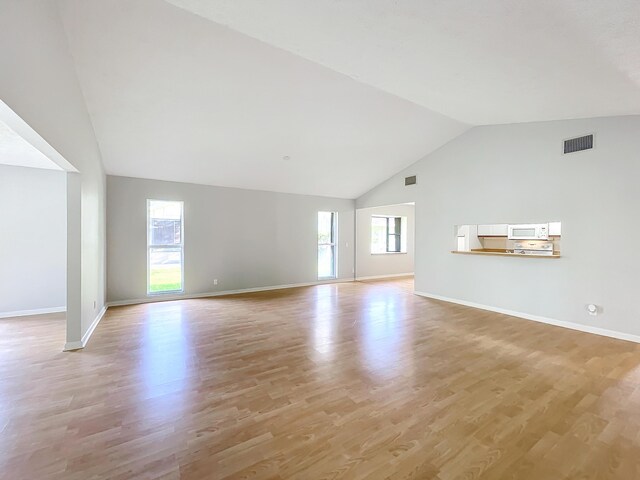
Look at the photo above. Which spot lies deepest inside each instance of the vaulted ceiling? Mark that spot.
(333, 97)
(483, 62)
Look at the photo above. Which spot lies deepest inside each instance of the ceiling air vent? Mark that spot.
(410, 180)
(578, 144)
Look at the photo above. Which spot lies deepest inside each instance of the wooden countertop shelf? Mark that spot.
(502, 254)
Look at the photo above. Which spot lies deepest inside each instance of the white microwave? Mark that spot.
(530, 231)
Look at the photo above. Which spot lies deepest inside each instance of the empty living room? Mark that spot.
(339, 239)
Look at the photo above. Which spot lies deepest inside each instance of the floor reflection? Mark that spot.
(189, 388)
(382, 331)
(165, 356)
(323, 327)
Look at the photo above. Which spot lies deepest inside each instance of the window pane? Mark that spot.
(165, 232)
(165, 209)
(326, 261)
(403, 234)
(397, 225)
(378, 234)
(392, 225)
(394, 243)
(165, 269)
(165, 223)
(325, 227)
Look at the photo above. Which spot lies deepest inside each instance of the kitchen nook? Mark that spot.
(537, 240)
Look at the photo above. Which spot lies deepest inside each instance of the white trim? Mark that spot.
(152, 246)
(18, 125)
(390, 204)
(92, 327)
(167, 298)
(388, 253)
(334, 244)
(73, 346)
(87, 335)
(536, 318)
(376, 277)
(38, 311)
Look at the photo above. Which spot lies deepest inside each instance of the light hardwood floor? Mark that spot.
(353, 380)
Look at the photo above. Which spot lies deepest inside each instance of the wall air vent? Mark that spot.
(578, 144)
(410, 180)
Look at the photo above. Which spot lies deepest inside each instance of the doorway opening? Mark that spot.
(385, 241)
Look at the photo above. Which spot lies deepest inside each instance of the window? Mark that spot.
(165, 247)
(388, 234)
(327, 245)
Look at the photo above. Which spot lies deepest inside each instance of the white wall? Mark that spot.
(243, 238)
(33, 240)
(373, 265)
(392, 191)
(38, 81)
(517, 173)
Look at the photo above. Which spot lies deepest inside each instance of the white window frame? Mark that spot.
(172, 247)
(334, 244)
(402, 235)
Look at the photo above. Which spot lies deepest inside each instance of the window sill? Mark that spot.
(502, 254)
(167, 292)
(389, 253)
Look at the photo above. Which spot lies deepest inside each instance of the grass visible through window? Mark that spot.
(163, 278)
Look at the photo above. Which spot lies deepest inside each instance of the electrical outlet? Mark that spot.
(215, 281)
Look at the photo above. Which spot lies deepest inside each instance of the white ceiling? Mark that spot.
(481, 62)
(219, 91)
(14, 150)
(173, 96)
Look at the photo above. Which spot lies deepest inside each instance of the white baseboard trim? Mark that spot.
(536, 318)
(168, 298)
(73, 346)
(38, 311)
(377, 277)
(85, 338)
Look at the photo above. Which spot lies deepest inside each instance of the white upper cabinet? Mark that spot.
(555, 229)
(493, 230)
(500, 230)
(484, 230)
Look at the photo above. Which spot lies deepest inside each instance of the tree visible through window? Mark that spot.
(388, 234)
(164, 247)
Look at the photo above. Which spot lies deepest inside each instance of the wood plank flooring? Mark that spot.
(354, 380)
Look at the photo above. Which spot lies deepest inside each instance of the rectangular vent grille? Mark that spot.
(410, 180)
(578, 144)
